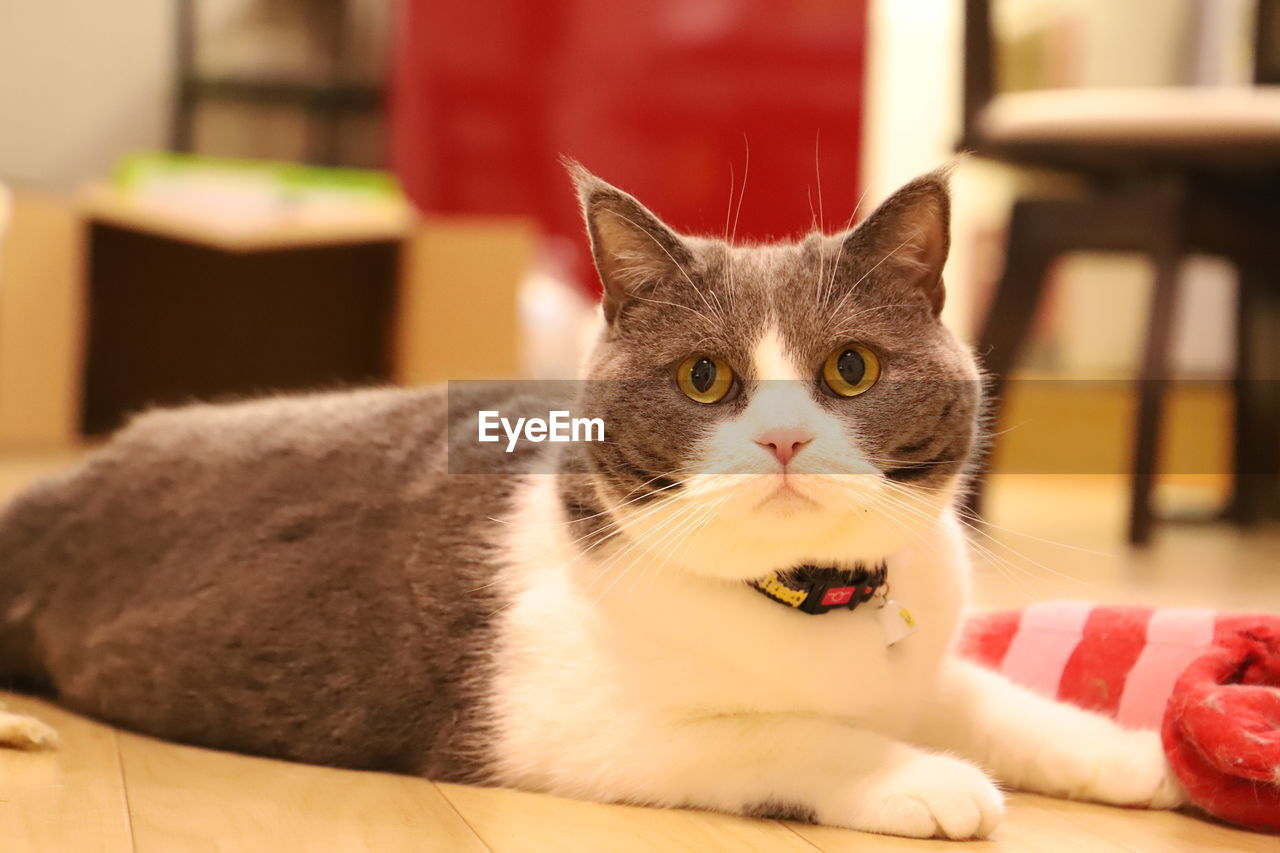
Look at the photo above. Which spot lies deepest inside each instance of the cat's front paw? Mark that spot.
(927, 796)
(19, 731)
(1128, 768)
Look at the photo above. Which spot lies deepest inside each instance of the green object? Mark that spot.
(137, 170)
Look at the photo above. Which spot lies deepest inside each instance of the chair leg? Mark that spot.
(1256, 483)
(1029, 250)
(1167, 245)
(1243, 506)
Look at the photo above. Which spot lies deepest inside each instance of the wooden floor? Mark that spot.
(109, 790)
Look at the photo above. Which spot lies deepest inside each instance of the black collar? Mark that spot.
(816, 589)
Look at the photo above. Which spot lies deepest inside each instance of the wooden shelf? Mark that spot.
(334, 98)
(111, 206)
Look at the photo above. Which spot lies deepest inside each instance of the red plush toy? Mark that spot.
(1209, 681)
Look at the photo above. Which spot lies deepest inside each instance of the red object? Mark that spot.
(1222, 729)
(838, 595)
(660, 97)
(1209, 681)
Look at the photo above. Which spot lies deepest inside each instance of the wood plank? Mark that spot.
(1168, 832)
(1022, 829)
(70, 798)
(183, 799)
(520, 822)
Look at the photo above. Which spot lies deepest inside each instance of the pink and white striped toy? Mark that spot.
(1209, 681)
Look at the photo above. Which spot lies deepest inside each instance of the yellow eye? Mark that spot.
(851, 370)
(704, 378)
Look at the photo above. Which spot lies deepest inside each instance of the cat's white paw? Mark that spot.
(1125, 768)
(928, 796)
(18, 731)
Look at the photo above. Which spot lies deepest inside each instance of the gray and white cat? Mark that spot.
(305, 577)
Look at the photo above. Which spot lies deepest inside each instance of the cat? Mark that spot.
(352, 579)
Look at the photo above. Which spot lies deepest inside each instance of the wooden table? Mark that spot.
(108, 305)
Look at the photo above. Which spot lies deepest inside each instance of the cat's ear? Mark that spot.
(633, 249)
(904, 241)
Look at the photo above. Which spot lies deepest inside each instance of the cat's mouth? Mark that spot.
(786, 494)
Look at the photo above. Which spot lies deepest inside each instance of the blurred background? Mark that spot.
(227, 197)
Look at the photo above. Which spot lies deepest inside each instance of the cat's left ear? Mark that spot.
(633, 249)
(904, 242)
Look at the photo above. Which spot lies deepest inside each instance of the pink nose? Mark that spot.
(785, 443)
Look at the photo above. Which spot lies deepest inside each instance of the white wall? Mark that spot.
(912, 123)
(912, 91)
(81, 83)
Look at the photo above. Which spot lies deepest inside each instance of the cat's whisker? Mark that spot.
(653, 301)
(853, 332)
(627, 499)
(742, 193)
(992, 555)
(908, 515)
(817, 169)
(673, 260)
(966, 513)
(901, 522)
(728, 210)
(681, 535)
(609, 510)
(908, 463)
(707, 517)
(979, 525)
(649, 541)
(975, 524)
(1022, 556)
(728, 250)
(1004, 568)
(905, 518)
(617, 525)
(680, 520)
(715, 295)
(921, 488)
(849, 291)
(1019, 425)
(733, 238)
(857, 205)
(636, 542)
(835, 268)
(831, 282)
(1013, 581)
(821, 220)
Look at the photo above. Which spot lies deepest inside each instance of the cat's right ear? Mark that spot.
(903, 242)
(633, 249)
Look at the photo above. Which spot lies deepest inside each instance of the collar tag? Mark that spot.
(896, 621)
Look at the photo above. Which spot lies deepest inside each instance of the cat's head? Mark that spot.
(773, 404)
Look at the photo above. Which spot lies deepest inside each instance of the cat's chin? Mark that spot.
(748, 543)
(786, 500)
(742, 528)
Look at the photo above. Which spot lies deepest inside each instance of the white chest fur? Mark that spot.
(590, 668)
